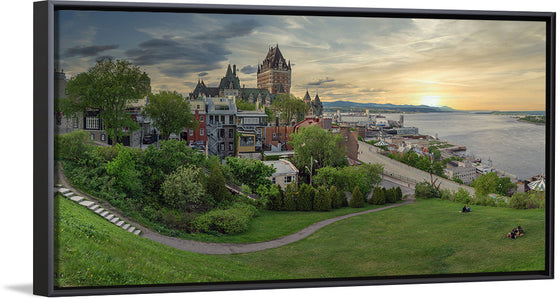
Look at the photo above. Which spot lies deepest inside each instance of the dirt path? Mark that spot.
(225, 248)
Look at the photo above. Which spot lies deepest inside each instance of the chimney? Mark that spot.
(234, 69)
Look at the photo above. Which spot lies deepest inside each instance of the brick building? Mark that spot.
(275, 74)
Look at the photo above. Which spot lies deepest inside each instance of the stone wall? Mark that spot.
(369, 154)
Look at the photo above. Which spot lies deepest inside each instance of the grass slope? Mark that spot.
(427, 237)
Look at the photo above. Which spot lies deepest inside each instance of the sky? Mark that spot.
(463, 64)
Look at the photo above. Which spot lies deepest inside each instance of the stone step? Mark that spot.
(68, 194)
(104, 214)
(110, 217)
(87, 203)
(137, 232)
(131, 229)
(114, 220)
(94, 207)
(64, 190)
(99, 210)
(76, 198)
(58, 185)
(126, 226)
(120, 223)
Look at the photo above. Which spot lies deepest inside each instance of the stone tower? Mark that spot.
(275, 74)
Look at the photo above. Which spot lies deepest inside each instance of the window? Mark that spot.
(231, 146)
(92, 136)
(211, 119)
(202, 118)
(287, 179)
(102, 137)
(190, 132)
(197, 107)
(92, 123)
(222, 119)
(74, 122)
(231, 133)
(201, 132)
(247, 141)
(221, 133)
(273, 135)
(251, 121)
(231, 119)
(222, 147)
(279, 135)
(274, 180)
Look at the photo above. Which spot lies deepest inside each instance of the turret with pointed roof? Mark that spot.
(275, 74)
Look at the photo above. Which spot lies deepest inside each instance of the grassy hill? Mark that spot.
(427, 237)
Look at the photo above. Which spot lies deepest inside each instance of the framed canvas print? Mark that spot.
(196, 147)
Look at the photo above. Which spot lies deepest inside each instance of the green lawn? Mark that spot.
(427, 237)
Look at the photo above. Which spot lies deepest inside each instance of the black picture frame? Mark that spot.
(44, 145)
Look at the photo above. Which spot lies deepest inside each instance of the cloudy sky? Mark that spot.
(467, 65)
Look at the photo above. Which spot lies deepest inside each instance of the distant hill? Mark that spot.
(409, 108)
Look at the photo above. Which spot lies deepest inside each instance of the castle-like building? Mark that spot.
(274, 74)
(274, 77)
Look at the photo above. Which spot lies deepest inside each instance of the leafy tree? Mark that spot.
(357, 200)
(107, 88)
(426, 190)
(184, 189)
(378, 197)
(252, 173)
(306, 195)
(289, 107)
(169, 112)
(317, 146)
(244, 105)
(342, 197)
(399, 193)
(321, 201)
(123, 170)
(216, 184)
(274, 198)
(505, 186)
(290, 197)
(462, 196)
(390, 195)
(486, 184)
(72, 146)
(335, 199)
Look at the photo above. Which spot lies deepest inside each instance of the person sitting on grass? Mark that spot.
(468, 209)
(464, 208)
(512, 235)
(519, 231)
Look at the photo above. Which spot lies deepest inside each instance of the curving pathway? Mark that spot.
(229, 248)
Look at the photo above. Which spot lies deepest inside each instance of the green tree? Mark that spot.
(244, 105)
(378, 197)
(289, 108)
(505, 186)
(321, 200)
(252, 173)
(336, 201)
(486, 184)
(306, 194)
(316, 148)
(108, 88)
(216, 183)
(462, 196)
(290, 197)
(184, 189)
(123, 170)
(274, 198)
(169, 112)
(357, 200)
(399, 193)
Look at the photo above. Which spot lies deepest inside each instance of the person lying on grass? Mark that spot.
(516, 233)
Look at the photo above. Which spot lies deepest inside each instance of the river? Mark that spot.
(512, 146)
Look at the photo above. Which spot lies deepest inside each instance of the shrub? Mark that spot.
(290, 197)
(305, 198)
(183, 189)
(335, 199)
(528, 200)
(425, 190)
(357, 200)
(229, 221)
(378, 197)
(343, 198)
(321, 201)
(273, 198)
(72, 146)
(390, 195)
(399, 193)
(123, 169)
(216, 184)
(462, 196)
